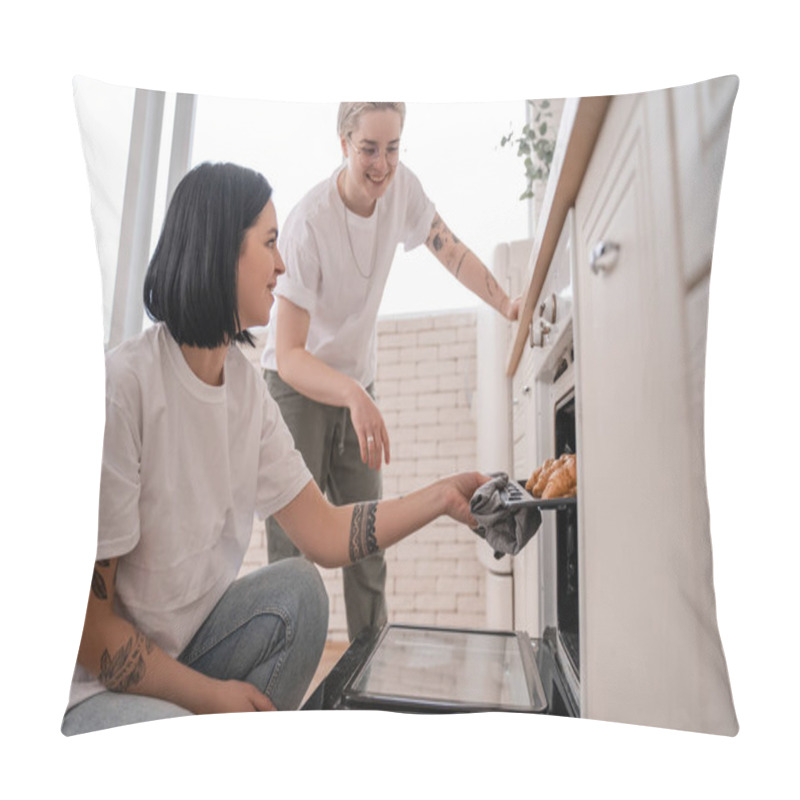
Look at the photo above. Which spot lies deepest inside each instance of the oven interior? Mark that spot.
(558, 538)
(567, 594)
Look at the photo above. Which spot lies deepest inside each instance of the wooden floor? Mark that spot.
(330, 655)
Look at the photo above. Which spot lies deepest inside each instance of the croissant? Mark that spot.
(570, 465)
(544, 476)
(561, 483)
(536, 473)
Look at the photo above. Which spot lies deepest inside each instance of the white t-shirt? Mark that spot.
(323, 277)
(185, 468)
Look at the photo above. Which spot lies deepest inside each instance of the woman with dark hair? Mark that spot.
(320, 357)
(194, 446)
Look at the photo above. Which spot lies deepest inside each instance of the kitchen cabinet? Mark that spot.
(641, 189)
(524, 412)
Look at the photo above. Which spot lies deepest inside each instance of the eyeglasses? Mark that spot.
(370, 153)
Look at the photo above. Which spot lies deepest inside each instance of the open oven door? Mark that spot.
(420, 669)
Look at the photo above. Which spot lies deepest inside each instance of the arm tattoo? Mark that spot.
(434, 237)
(440, 239)
(437, 238)
(126, 667)
(99, 589)
(362, 531)
(460, 262)
(99, 586)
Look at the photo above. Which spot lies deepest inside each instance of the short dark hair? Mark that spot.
(191, 280)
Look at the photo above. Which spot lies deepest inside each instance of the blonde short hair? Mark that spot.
(350, 114)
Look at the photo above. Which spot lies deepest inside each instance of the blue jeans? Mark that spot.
(269, 629)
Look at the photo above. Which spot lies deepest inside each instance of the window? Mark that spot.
(453, 148)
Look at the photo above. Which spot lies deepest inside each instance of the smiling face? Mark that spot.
(371, 153)
(260, 263)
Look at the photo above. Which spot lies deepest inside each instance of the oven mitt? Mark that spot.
(507, 531)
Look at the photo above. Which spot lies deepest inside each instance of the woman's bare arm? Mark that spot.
(458, 259)
(354, 531)
(125, 660)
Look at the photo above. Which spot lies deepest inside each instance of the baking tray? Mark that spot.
(516, 496)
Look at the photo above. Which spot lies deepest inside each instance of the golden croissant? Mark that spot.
(547, 473)
(555, 478)
(543, 477)
(562, 483)
(532, 481)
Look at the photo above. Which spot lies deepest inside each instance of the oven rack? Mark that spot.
(516, 496)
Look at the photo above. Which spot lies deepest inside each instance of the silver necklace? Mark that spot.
(350, 241)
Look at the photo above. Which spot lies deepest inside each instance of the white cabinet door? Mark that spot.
(524, 415)
(642, 564)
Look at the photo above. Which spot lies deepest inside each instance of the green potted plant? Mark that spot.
(535, 145)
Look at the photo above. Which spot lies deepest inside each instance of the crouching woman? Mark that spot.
(194, 446)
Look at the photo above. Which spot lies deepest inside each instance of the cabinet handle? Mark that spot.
(604, 257)
(537, 333)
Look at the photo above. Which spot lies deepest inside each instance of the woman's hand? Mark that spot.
(233, 696)
(373, 438)
(458, 492)
(511, 309)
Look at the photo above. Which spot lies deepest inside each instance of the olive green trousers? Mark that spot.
(325, 437)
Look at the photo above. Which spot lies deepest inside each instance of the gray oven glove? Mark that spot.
(506, 530)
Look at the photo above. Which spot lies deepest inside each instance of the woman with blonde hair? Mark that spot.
(320, 358)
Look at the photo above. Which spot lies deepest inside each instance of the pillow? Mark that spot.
(625, 192)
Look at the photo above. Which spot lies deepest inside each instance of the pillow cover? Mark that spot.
(629, 188)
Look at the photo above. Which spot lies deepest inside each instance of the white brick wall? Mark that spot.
(425, 388)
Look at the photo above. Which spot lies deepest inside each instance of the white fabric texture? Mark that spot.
(185, 467)
(322, 278)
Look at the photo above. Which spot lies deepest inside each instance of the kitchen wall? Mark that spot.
(425, 389)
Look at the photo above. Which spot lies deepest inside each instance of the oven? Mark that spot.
(554, 430)
(520, 662)
(557, 540)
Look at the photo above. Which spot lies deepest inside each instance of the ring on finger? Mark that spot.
(370, 440)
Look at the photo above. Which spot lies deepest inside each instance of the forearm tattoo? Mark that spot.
(126, 667)
(362, 531)
(460, 262)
